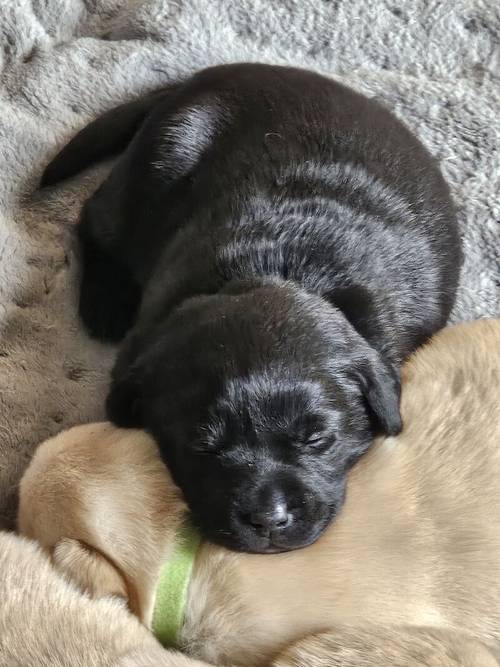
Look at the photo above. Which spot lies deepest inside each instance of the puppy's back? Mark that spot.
(428, 501)
(452, 410)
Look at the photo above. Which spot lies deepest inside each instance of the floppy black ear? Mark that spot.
(381, 388)
(358, 305)
(124, 401)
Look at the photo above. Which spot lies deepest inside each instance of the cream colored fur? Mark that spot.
(409, 574)
(102, 503)
(45, 621)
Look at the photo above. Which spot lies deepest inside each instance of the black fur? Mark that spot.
(288, 243)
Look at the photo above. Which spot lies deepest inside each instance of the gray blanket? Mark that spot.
(62, 62)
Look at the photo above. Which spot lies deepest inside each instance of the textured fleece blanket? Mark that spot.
(62, 62)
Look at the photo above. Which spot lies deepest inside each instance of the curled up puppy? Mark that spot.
(272, 245)
(46, 621)
(409, 573)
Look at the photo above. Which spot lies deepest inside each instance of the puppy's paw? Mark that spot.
(107, 313)
(88, 569)
(109, 295)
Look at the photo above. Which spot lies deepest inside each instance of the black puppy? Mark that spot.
(279, 244)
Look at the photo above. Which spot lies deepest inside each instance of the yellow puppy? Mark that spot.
(47, 622)
(409, 574)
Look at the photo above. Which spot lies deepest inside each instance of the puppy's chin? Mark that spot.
(281, 544)
(246, 539)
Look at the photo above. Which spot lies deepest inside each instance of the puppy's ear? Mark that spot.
(357, 304)
(124, 401)
(381, 388)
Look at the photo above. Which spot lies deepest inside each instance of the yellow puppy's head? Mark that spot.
(102, 503)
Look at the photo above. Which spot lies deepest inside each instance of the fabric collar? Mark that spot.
(172, 588)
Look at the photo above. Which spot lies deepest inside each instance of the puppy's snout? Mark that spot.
(277, 513)
(271, 518)
(268, 512)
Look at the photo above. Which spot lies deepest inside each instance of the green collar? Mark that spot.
(171, 592)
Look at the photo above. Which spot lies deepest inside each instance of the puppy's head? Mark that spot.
(260, 400)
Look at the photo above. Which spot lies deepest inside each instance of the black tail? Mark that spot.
(104, 137)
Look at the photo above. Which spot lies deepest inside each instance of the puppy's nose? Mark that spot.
(269, 519)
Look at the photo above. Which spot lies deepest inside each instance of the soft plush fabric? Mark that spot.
(437, 64)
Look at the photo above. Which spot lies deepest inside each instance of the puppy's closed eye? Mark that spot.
(320, 441)
(314, 430)
(314, 439)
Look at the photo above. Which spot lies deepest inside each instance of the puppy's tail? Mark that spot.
(104, 137)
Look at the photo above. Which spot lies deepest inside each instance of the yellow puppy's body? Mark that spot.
(409, 574)
(46, 621)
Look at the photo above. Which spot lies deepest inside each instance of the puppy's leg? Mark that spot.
(46, 622)
(124, 402)
(88, 569)
(95, 575)
(109, 295)
(391, 646)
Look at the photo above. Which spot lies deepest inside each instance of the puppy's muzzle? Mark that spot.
(269, 515)
(277, 514)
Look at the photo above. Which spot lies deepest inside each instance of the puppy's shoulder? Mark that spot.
(87, 467)
(471, 348)
(450, 406)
